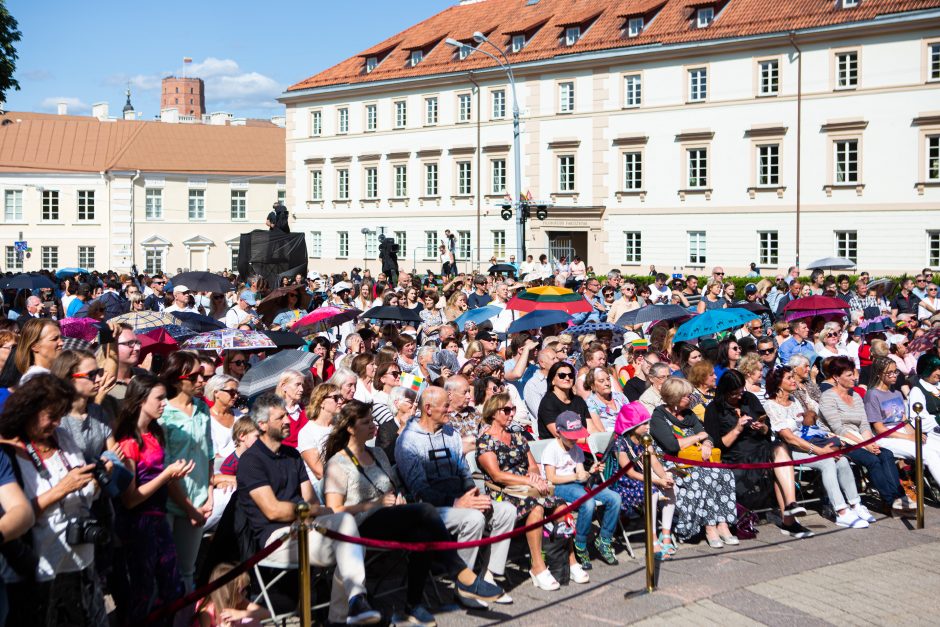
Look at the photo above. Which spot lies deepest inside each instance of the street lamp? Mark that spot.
(506, 65)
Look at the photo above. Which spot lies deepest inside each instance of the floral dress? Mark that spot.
(514, 458)
(608, 417)
(629, 489)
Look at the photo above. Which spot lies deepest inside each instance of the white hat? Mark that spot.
(342, 286)
(179, 289)
(313, 276)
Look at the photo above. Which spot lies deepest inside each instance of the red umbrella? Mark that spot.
(571, 303)
(321, 319)
(79, 328)
(925, 342)
(812, 304)
(158, 342)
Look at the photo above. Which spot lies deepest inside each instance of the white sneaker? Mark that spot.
(577, 574)
(849, 519)
(544, 580)
(862, 512)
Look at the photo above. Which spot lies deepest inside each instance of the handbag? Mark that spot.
(518, 491)
(694, 453)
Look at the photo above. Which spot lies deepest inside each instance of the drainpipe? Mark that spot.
(799, 134)
(133, 222)
(479, 163)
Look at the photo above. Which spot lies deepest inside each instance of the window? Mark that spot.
(846, 161)
(464, 178)
(499, 244)
(498, 168)
(430, 244)
(566, 97)
(372, 245)
(768, 164)
(316, 123)
(153, 204)
(847, 245)
(463, 244)
(86, 257)
(632, 246)
(342, 184)
(13, 205)
(401, 238)
(849, 4)
(316, 185)
(401, 181)
(342, 120)
(197, 204)
(463, 51)
(372, 117)
(634, 26)
(698, 84)
(371, 64)
(342, 244)
(518, 43)
(50, 205)
(233, 253)
(86, 204)
(316, 244)
(430, 111)
(372, 183)
(704, 17)
(633, 170)
(239, 205)
(464, 108)
(769, 253)
(697, 167)
(572, 35)
(401, 114)
(933, 249)
(632, 90)
(933, 158)
(769, 77)
(847, 70)
(566, 173)
(933, 61)
(50, 257)
(153, 260)
(416, 57)
(281, 195)
(696, 247)
(13, 261)
(499, 104)
(430, 179)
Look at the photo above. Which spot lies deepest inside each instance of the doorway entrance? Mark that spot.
(567, 244)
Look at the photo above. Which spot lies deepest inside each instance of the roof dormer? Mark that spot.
(573, 29)
(373, 58)
(416, 53)
(638, 16)
(521, 32)
(702, 13)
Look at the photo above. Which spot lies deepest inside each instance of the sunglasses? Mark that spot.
(193, 376)
(335, 397)
(90, 375)
(766, 351)
(158, 283)
(392, 373)
(232, 393)
(719, 274)
(832, 334)
(565, 375)
(238, 362)
(508, 411)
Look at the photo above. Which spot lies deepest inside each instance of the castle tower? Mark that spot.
(186, 95)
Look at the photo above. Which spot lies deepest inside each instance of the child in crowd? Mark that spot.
(244, 433)
(229, 605)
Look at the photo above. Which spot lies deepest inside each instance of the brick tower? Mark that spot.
(186, 95)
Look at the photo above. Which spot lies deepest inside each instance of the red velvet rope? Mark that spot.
(447, 546)
(792, 462)
(212, 586)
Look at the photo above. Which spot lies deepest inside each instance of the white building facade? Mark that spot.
(770, 149)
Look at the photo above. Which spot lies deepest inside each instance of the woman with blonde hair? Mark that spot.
(829, 342)
(713, 298)
(229, 605)
(752, 368)
(290, 387)
(40, 342)
(456, 305)
(325, 403)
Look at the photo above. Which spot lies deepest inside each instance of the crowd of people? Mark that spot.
(140, 475)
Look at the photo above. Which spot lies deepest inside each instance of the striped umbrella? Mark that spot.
(146, 320)
(549, 298)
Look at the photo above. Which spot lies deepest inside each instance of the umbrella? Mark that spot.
(265, 375)
(925, 342)
(550, 290)
(537, 320)
(597, 327)
(656, 313)
(888, 284)
(875, 325)
(229, 339)
(444, 359)
(178, 332)
(79, 328)
(628, 319)
(324, 318)
(269, 305)
(198, 322)
(814, 305)
(754, 307)
(203, 282)
(826, 314)
(145, 320)
(26, 281)
(158, 341)
(831, 263)
(67, 273)
(478, 315)
(392, 313)
(502, 267)
(712, 322)
(285, 339)
(532, 300)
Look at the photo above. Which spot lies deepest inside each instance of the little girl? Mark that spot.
(229, 605)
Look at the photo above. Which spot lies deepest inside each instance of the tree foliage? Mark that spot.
(9, 35)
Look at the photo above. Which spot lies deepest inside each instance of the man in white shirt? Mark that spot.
(241, 312)
(528, 266)
(181, 295)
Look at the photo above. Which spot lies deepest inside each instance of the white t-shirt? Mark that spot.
(222, 444)
(311, 436)
(565, 462)
(236, 316)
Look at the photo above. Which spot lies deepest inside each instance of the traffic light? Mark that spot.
(541, 212)
(506, 212)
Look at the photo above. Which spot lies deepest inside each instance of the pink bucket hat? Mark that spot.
(631, 416)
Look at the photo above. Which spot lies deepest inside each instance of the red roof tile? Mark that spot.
(739, 18)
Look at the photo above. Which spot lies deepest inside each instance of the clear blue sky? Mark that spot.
(248, 52)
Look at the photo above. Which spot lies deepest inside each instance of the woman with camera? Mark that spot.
(57, 583)
(359, 480)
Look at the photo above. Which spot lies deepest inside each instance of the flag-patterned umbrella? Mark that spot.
(229, 339)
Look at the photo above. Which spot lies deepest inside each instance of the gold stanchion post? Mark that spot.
(650, 516)
(303, 563)
(919, 462)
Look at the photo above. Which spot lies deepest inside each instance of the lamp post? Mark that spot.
(506, 65)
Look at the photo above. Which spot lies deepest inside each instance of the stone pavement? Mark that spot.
(837, 577)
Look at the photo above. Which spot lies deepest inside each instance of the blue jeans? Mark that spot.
(571, 492)
(882, 472)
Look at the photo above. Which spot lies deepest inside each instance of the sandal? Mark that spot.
(662, 554)
(669, 545)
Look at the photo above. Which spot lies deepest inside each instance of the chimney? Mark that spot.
(219, 118)
(171, 116)
(100, 110)
(63, 108)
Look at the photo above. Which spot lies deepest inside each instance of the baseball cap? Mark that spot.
(750, 288)
(486, 336)
(248, 297)
(342, 286)
(313, 276)
(569, 425)
(179, 289)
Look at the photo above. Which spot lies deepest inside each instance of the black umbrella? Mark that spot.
(754, 307)
(29, 281)
(203, 282)
(285, 339)
(628, 319)
(392, 313)
(197, 322)
(502, 267)
(653, 313)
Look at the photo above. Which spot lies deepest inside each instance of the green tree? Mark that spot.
(9, 35)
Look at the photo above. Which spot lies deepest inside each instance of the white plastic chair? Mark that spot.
(598, 442)
(475, 471)
(537, 447)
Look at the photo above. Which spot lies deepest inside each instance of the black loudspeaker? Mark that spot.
(272, 254)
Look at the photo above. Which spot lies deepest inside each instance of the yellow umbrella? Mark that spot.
(550, 290)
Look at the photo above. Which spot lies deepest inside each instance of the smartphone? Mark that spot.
(105, 335)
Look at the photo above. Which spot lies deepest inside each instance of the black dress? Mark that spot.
(753, 488)
(551, 406)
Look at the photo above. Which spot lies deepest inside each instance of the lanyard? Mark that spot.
(40, 465)
(362, 470)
